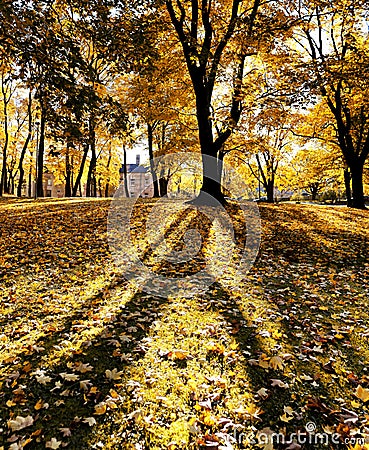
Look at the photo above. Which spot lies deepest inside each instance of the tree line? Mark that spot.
(273, 86)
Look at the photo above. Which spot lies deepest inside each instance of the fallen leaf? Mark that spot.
(263, 393)
(90, 421)
(276, 363)
(53, 444)
(69, 376)
(362, 393)
(66, 432)
(20, 422)
(100, 409)
(279, 383)
(113, 374)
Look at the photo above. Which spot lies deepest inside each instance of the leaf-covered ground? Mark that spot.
(88, 361)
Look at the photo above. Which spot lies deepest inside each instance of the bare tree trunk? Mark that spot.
(40, 153)
(125, 177)
(357, 187)
(25, 146)
(314, 188)
(347, 178)
(107, 169)
(77, 184)
(11, 183)
(163, 182)
(91, 179)
(151, 156)
(270, 191)
(3, 178)
(68, 175)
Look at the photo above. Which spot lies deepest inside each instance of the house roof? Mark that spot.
(133, 168)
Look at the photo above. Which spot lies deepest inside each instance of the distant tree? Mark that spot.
(7, 85)
(333, 35)
(317, 167)
(267, 140)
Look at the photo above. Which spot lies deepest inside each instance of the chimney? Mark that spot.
(138, 160)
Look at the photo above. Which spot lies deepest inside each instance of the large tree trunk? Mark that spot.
(211, 189)
(40, 154)
(347, 178)
(357, 187)
(77, 184)
(269, 188)
(212, 178)
(151, 156)
(163, 182)
(314, 188)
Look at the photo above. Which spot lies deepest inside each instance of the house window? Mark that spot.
(49, 182)
(133, 182)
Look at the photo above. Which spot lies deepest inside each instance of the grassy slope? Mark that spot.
(192, 373)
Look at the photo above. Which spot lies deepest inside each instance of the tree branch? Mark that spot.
(222, 44)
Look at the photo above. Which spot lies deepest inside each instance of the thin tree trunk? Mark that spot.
(125, 176)
(262, 176)
(3, 178)
(25, 146)
(77, 183)
(151, 156)
(68, 174)
(30, 182)
(40, 154)
(94, 183)
(107, 170)
(91, 180)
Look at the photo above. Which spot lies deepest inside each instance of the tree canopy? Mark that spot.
(208, 77)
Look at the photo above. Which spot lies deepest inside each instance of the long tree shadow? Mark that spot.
(302, 378)
(42, 384)
(64, 406)
(69, 400)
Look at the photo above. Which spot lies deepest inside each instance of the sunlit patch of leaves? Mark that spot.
(89, 362)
